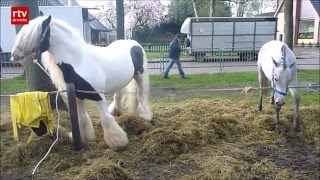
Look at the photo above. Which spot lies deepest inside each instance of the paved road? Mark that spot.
(193, 67)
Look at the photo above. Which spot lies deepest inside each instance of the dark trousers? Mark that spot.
(172, 61)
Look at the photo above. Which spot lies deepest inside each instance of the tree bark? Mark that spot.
(288, 23)
(37, 79)
(120, 19)
(212, 6)
(195, 8)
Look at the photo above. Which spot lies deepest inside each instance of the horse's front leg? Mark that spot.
(261, 80)
(85, 124)
(296, 114)
(114, 135)
(277, 121)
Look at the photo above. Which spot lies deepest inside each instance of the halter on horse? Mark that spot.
(69, 59)
(277, 63)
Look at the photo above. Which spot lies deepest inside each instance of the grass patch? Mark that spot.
(14, 85)
(237, 79)
(215, 80)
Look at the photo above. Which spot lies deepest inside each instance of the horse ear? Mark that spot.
(274, 62)
(40, 13)
(46, 22)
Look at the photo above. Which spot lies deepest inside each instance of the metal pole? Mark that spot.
(120, 19)
(288, 23)
(74, 117)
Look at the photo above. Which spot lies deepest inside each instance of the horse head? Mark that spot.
(32, 40)
(280, 80)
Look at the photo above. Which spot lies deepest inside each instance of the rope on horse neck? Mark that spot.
(36, 62)
(57, 138)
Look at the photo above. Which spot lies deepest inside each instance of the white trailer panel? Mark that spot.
(241, 35)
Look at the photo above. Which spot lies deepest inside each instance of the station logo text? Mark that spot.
(19, 15)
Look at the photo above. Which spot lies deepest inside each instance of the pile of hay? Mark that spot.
(197, 123)
(213, 139)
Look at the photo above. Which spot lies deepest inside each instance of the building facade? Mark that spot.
(306, 21)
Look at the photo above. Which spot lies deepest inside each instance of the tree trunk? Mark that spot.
(37, 79)
(288, 23)
(212, 6)
(195, 8)
(120, 19)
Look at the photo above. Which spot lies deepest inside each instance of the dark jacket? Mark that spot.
(174, 49)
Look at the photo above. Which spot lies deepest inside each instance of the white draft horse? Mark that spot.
(278, 63)
(110, 69)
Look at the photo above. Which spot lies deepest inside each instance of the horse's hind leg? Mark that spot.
(115, 107)
(85, 124)
(296, 115)
(114, 135)
(143, 97)
(262, 81)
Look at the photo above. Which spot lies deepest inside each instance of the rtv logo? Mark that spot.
(19, 15)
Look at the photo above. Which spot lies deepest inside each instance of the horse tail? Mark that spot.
(139, 81)
(129, 98)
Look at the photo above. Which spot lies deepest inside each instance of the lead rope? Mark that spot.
(57, 138)
(58, 122)
(36, 62)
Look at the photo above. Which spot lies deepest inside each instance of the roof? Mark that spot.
(94, 22)
(316, 6)
(279, 8)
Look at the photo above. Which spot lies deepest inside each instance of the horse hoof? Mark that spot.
(147, 116)
(70, 137)
(277, 129)
(116, 139)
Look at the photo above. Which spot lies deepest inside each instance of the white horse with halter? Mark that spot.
(277, 63)
(100, 69)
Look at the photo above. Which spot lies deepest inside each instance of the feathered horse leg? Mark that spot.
(143, 97)
(114, 136)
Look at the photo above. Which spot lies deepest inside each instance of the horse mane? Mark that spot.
(64, 26)
(29, 35)
(55, 72)
(283, 55)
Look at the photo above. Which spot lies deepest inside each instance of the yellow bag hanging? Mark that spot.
(28, 109)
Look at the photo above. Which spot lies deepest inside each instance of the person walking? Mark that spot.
(174, 55)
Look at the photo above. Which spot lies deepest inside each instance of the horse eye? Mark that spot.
(275, 79)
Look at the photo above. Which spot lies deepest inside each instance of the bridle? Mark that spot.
(283, 56)
(276, 91)
(35, 53)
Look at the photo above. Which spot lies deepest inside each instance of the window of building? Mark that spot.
(306, 29)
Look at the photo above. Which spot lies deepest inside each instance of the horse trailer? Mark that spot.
(240, 35)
